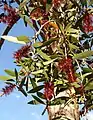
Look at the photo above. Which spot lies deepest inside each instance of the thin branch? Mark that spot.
(79, 69)
(7, 29)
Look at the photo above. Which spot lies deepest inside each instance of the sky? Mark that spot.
(14, 106)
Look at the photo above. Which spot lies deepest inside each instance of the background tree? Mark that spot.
(56, 63)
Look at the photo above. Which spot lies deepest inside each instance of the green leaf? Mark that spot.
(33, 102)
(36, 89)
(49, 62)
(33, 82)
(72, 30)
(12, 39)
(26, 18)
(38, 99)
(23, 91)
(10, 72)
(5, 77)
(23, 38)
(46, 43)
(59, 100)
(22, 82)
(89, 86)
(37, 72)
(16, 74)
(75, 84)
(43, 55)
(37, 44)
(83, 55)
(23, 4)
(27, 84)
(73, 47)
(41, 95)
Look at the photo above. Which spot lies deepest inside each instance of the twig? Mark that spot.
(38, 32)
(7, 29)
(79, 69)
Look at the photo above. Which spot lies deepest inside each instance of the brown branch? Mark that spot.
(8, 28)
(6, 31)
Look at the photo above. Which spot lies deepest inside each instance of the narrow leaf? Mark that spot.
(33, 82)
(38, 99)
(10, 72)
(41, 95)
(33, 102)
(5, 77)
(12, 39)
(36, 89)
(43, 55)
(83, 55)
(23, 38)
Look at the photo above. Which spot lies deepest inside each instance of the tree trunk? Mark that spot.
(68, 111)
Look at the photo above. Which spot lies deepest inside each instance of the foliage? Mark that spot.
(59, 56)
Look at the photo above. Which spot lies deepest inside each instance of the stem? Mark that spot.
(79, 69)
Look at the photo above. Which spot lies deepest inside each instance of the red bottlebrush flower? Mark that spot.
(56, 3)
(37, 13)
(10, 16)
(48, 90)
(8, 89)
(88, 23)
(67, 66)
(22, 52)
(71, 76)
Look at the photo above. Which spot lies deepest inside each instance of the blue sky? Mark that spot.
(14, 106)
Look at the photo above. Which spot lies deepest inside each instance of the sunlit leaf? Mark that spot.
(23, 38)
(10, 72)
(83, 55)
(12, 39)
(43, 55)
(5, 77)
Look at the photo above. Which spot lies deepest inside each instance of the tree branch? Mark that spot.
(8, 28)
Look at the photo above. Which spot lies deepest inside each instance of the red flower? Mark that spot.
(67, 66)
(10, 16)
(56, 3)
(88, 23)
(22, 52)
(8, 89)
(37, 13)
(48, 90)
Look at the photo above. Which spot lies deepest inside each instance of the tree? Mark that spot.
(56, 63)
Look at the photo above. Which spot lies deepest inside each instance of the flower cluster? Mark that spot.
(66, 66)
(88, 23)
(10, 16)
(8, 89)
(48, 90)
(56, 3)
(22, 52)
(37, 13)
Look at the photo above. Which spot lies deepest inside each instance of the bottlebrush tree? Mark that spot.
(56, 66)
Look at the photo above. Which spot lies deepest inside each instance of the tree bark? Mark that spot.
(68, 111)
